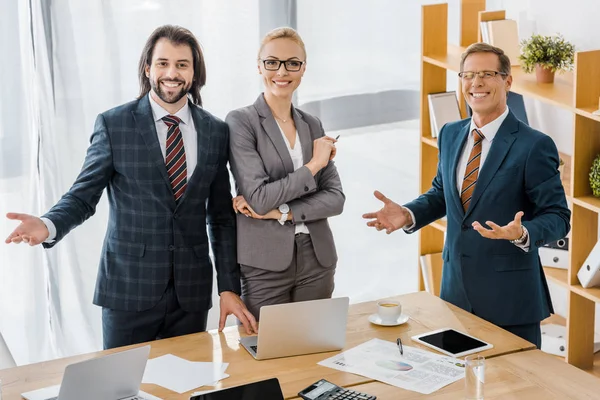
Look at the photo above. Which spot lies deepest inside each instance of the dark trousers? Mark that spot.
(165, 320)
(530, 332)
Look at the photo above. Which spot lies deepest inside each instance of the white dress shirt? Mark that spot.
(190, 144)
(298, 161)
(489, 132)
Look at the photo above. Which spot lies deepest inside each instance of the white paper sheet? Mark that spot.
(418, 370)
(180, 375)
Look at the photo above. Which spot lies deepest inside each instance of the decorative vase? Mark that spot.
(543, 74)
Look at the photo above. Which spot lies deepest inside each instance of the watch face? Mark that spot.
(284, 208)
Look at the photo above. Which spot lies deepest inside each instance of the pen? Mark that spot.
(338, 136)
(399, 343)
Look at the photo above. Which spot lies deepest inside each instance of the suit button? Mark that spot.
(175, 216)
(306, 188)
(303, 216)
(171, 248)
(464, 227)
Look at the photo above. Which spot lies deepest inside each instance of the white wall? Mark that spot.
(576, 20)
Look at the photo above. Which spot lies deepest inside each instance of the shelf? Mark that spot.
(590, 202)
(592, 294)
(557, 275)
(440, 224)
(429, 140)
(559, 93)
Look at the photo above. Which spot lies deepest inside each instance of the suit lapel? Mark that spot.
(203, 138)
(145, 125)
(502, 143)
(272, 130)
(455, 158)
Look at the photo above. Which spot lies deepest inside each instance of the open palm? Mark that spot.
(31, 230)
(391, 217)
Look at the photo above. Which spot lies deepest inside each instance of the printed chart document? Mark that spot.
(418, 370)
(180, 375)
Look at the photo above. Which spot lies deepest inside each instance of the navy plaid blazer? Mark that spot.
(148, 233)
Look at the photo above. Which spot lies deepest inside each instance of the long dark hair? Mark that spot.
(176, 35)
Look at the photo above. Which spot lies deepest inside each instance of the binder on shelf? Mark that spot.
(554, 340)
(504, 33)
(555, 254)
(431, 268)
(589, 273)
(443, 108)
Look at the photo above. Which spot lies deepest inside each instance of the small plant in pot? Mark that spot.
(546, 55)
(595, 177)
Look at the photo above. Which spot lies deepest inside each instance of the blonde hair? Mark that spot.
(284, 32)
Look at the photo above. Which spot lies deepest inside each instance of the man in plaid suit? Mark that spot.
(163, 160)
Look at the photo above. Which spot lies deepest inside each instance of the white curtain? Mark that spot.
(71, 60)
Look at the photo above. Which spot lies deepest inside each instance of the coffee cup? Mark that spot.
(389, 310)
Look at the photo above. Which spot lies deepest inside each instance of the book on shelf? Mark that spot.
(443, 108)
(503, 33)
(431, 268)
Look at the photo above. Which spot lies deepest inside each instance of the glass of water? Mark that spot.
(474, 377)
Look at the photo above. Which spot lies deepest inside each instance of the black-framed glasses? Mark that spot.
(272, 64)
(469, 75)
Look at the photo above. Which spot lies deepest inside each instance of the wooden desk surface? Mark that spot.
(427, 312)
(530, 375)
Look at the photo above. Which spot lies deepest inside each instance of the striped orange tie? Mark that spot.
(472, 171)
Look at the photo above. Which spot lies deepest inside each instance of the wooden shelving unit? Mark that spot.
(577, 92)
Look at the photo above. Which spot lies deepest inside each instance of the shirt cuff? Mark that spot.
(51, 230)
(524, 246)
(407, 228)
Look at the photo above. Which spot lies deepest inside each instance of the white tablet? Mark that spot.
(452, 342)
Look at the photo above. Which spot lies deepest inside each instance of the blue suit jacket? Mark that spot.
(494, 278)
(147, 231)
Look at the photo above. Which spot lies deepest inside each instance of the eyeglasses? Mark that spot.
(469, 75)
(290, 65)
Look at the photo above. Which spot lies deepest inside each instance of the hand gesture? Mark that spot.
(324, 150)
(391, 217)
(512, 231)
(31, 230)
(230, 303)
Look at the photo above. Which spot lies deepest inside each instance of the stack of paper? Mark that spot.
(179, 375)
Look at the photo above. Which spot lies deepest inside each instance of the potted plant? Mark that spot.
(546, 54)
(595, 176)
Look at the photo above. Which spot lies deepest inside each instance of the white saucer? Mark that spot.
(375, 319)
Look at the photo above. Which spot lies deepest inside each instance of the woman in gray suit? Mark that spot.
(287, 185)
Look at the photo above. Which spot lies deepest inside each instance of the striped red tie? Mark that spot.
(472, 171)
(176, 164)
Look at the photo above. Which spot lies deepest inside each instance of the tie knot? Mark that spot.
(171, 120)
(477, 134)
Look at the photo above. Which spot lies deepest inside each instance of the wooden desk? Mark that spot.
(294, 373)
(530, 375)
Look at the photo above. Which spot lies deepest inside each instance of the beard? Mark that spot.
(168, 97)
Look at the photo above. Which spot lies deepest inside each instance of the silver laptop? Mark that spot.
(112, 377)
(299, 328)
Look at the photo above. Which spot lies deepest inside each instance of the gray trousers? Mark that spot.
(305, 279)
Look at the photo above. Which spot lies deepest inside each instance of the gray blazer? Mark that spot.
(265, 176)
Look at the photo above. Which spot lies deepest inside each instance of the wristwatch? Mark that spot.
(523, 237)
(284, 209)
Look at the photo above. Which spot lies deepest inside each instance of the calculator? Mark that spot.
(325, 390)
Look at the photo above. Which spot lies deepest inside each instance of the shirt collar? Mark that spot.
(158, 112)
(490, 130)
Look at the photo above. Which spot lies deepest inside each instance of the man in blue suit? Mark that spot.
(493, 170)
(163, 160)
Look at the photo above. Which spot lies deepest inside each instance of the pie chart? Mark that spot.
(393, 365)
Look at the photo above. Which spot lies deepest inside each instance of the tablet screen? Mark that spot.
(263, 390)
(452, 341)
